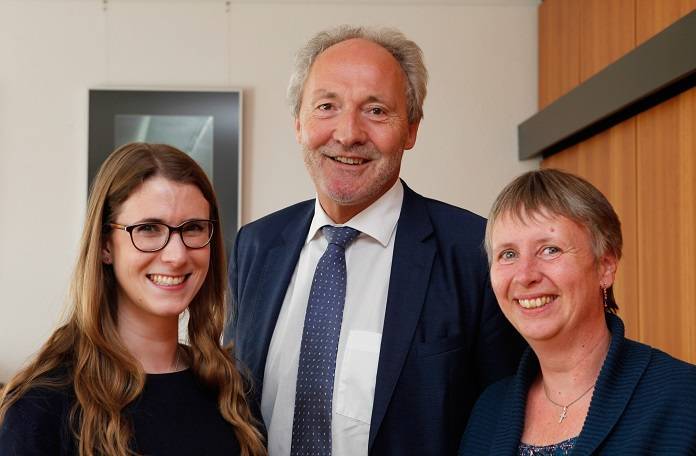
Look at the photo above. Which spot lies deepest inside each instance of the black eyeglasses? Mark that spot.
(152, 236)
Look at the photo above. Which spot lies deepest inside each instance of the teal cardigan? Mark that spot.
(644, 403)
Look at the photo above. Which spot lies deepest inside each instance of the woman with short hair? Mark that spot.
(554, 244)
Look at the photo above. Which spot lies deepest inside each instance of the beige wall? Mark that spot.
(482, 56)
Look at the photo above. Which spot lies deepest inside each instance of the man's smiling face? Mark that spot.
(353, 125)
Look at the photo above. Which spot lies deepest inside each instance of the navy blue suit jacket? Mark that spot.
(444, 338)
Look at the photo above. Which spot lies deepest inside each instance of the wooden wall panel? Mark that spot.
(653, 16)
(666, 159)
(608, 161)
(607, 32)
(646, 166)
(559, 45)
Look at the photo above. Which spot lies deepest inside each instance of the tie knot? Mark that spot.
(340, 235)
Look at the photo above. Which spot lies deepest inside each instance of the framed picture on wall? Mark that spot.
(204, 124)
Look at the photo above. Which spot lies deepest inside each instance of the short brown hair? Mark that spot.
(565, 194)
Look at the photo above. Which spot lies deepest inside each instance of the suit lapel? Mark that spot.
(410, 272)
(279, 265)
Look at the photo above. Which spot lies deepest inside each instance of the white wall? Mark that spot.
(482, 57)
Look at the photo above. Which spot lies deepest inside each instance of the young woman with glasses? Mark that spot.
(114, 380)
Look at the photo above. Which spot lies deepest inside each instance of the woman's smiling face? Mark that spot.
(546, 277)
(163, 283)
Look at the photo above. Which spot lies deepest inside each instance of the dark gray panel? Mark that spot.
(225, 109)
(660, 68)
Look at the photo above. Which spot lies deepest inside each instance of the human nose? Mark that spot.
(349, 129)
(527, 271)
(175, 250)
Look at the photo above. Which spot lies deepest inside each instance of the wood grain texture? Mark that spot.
(559, 49)
(607, 32)
(608, 161)
(646, 166)
(653, 16)
(666, 165)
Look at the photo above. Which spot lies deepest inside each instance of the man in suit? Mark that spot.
(420, 334)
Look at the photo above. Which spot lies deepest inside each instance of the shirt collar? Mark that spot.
(378, 220)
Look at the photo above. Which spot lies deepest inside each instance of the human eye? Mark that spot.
(324, 109)
(507, 256)
(377, 111)
(550, 251)
(194, 226)
(149, 229)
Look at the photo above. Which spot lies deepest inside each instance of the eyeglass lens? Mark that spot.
(153, 236)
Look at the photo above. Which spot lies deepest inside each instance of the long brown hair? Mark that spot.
(104, 375)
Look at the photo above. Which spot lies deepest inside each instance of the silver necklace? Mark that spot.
(175, 368)
(564, 411)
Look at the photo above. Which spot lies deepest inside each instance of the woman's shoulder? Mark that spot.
(662, 366)
(671, 376)
(487, 408)
(41, 402)
(37, 423)
(496, 391)
(666, 387)
(653, 400)
(486, 411)
(483, 420)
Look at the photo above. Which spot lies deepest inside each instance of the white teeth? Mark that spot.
(349, 161)
(535, 302)
(159, 279)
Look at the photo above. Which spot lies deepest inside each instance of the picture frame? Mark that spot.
(205, 124)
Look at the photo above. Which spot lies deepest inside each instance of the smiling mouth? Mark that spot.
(349, 160)
(535, 303)
(167, 280)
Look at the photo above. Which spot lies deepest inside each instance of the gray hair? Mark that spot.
(405, 51)
(559, 193)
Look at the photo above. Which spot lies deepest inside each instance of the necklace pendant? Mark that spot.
(563, 414)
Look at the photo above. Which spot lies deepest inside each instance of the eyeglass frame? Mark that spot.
(176, 229)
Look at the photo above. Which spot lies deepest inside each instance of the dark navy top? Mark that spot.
(644, 403)
(174, 415)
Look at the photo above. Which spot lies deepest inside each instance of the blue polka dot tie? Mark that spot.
(311, 426)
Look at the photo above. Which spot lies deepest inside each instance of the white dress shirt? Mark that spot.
(368, 263)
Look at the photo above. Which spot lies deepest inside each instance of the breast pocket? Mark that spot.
(441, 346)
(358, 376)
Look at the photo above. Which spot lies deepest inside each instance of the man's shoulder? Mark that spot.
(451, 222)
(277, 220)
(454, 214)
(439, 210)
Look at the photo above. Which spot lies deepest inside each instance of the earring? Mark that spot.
(604, 295)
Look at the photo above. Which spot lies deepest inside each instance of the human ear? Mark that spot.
(607, 270)
(298, 129)
(106, 253)
(412, 133)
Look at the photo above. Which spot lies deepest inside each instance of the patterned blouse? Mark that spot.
(557, 449)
